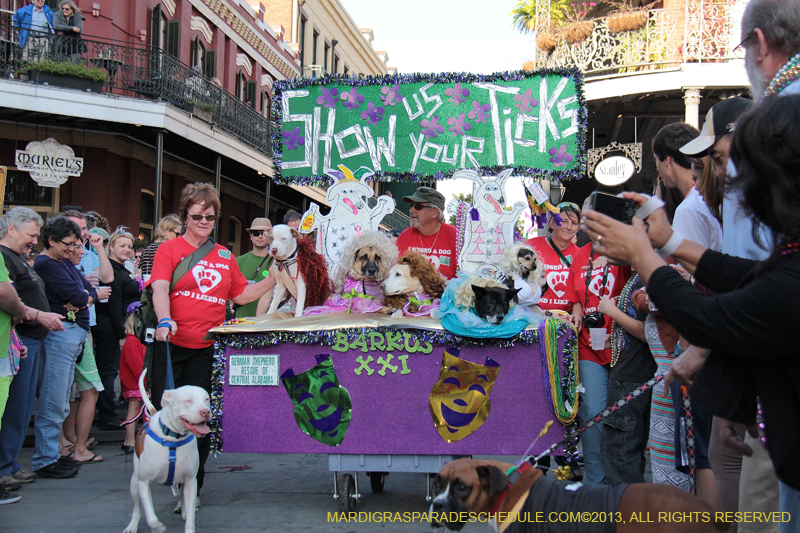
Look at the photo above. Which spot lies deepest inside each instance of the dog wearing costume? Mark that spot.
(524, 271)
(366, 261)
(297, 269)
(413, 287)
(166, 452)
(524, 500)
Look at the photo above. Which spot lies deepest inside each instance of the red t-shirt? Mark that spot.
(577, 292)
(439, 248)
(198, 301)
(556, 274)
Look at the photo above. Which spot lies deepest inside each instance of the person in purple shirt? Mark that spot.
(69, 295)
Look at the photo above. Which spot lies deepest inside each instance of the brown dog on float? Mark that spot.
(412, 276)
(544, 505)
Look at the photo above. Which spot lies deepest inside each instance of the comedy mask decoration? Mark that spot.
(460, 399)
(350, 214)
(322, 407)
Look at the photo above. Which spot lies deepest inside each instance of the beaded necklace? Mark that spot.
(623, 305)
(786, 75)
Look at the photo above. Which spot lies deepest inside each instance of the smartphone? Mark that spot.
(616, 207)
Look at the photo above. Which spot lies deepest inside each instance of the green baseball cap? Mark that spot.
(427, 195)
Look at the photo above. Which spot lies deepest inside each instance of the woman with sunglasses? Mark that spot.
(198, 300)
(69, 295)
(68, 23)
(168, 228)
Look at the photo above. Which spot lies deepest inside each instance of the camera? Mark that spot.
(149, 335)
(594, 320)
(618, 208)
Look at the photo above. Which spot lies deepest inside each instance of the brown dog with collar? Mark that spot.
(528, 501)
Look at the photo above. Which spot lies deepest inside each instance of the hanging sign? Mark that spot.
(415, 127)
(253, 370)
(49, 162)
(613, 171)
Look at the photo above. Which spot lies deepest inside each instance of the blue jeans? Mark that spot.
(625, 434)
(790, 503)
(61, 350)
(19, 408)
(594, 379)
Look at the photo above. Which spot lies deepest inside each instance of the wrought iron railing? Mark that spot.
(139, 71)
(704, 31)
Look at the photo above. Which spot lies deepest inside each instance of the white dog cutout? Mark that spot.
(350, 214)
(166, 452)
(485, 239)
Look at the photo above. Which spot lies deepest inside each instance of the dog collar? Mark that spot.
(173, 446)
(168, 432)
(289, 261)
(513, 475)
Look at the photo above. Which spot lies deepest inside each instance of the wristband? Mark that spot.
(165, 323)
(647, 208)
(671, 245)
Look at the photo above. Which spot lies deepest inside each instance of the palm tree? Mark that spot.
(523, 16)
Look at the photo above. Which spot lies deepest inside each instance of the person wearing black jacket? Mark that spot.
(751, 324)
(109, 333)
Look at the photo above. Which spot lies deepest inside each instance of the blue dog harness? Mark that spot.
(173, 446)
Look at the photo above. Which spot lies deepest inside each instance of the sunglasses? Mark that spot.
(258, 232)
(569, 204)
(209, 218)
(177, 232)
(419, 207)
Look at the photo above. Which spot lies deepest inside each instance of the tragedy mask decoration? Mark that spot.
(459, 401)
(322, 407)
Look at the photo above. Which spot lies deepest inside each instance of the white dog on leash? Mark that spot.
(166, 452)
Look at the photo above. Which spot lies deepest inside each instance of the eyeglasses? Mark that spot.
(75, 244)
(740, 51)
(209, 218)
(177, 232)
(258, 232)
(66, 8)
(419, 207)
(569, 204)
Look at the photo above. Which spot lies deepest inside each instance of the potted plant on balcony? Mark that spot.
(201, 110)
(66, 74)
(627, 17)
(578, 23)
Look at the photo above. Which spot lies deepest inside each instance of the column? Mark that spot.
(691, 99)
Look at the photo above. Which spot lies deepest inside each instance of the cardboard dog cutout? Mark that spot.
(488, 228)
(350, 214)
(459, 401)
(322, 407)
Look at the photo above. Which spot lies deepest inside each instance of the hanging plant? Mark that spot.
(630, 21)
(547, 41)
(578, 31)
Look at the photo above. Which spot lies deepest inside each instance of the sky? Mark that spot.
(446, 36)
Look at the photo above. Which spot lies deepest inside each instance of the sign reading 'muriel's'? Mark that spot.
(49, 162)
(428, 126)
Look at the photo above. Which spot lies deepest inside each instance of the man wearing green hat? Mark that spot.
(429, 234)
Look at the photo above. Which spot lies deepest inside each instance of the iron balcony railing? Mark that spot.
(704, 31)
(138, 71)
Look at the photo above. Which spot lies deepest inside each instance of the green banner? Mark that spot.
(422, 127)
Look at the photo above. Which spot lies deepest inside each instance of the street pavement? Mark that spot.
(243, 493)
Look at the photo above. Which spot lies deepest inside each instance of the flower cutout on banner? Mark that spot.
(328, 98)
(480, 112)
(391, 95)
(292, 139)
(560, 156)
(373, 114)
(458, 125)
(457, 94)
(431, 128)
(351, 99)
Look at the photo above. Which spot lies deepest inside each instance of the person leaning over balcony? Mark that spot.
(35, 17)
(68, 23)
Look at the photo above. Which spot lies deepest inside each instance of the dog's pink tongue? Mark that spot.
(495, 204)
(198, 429)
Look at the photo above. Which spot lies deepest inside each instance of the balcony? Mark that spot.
(142, 72)
(705, 31)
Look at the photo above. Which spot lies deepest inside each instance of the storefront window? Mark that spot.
(22, 190)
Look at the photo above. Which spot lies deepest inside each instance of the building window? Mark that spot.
(21, 190)
(173, 45)
(346, 70)
(325, 57)
(314, 40)
(235, 236)
(158, 28)
(250, 94)
(241, 83)
(210, 63)
(196, 60)
(147, 215)
(335, 63)
(303, 21)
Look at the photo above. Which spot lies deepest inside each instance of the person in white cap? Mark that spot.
(255, 264)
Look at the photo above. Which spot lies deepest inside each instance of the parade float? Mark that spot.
(381, 394)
